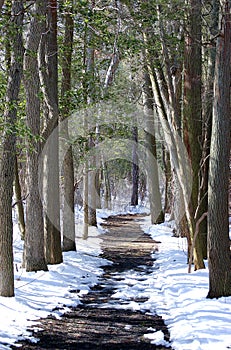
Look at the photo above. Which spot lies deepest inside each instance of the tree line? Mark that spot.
(128, 89)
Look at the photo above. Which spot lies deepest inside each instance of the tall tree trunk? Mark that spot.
(107, 195)
(168, 195)
(8, 152)
(68, 167)
(34, 258)
(218, 218)
(85, 200)
(193, 120)
(157, 214)
(207, 114)
(89, 87)
(48, 64)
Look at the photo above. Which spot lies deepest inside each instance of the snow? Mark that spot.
(156, 338)
(194, 322)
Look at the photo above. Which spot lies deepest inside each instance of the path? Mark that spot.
(97, 323)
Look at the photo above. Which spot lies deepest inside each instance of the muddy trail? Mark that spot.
(97, 323)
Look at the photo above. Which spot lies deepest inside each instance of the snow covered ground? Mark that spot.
(194, 322)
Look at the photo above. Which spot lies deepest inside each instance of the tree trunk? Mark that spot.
(19, 202)
(92, 221)
(207, 113)
(218, 219)
(85, 200)
(157, 214)
(7, 154)
(48, 69)
(68, 167)
(98, 187)
(107, 195)
(193, 119)
(135, 167)
(34, 258)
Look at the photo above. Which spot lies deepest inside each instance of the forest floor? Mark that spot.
(98, 323)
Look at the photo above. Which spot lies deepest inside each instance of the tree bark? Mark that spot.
(207, 115)
(135, 167)
(89, 87)
(218, 219)
(48, 64)
(85, 200)
(1, 4)
(68, 166)
(193, 118)
(7, 153)
(157, 214)
(34, 258)
(92, 173)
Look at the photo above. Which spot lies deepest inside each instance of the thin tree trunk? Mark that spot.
(107, 195)
(92, 221)
(85, 200)
(7, 154)
(68, 166)
(89, 87)
(168, 195)
(218, 218)
(19, 202)
(98, 187)
(207, 116)
(157, 214)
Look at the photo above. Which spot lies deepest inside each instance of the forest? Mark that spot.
(115, 99)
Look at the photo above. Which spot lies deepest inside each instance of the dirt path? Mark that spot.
(97, 324)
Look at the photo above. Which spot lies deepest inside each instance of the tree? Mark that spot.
(8, 151)
(48, 69)
(157, 215)
(90, 98)
(68, 167)
(193, 119)
(135, 167)
(34, 258)
(19, 200)
(218, 223)
(1, 4)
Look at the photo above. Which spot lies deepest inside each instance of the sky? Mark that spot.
(194, 322)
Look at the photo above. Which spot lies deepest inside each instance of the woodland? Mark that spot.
(96, 95)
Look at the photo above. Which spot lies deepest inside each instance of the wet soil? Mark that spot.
(97, 323)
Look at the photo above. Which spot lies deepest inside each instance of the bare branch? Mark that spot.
(20, 200)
